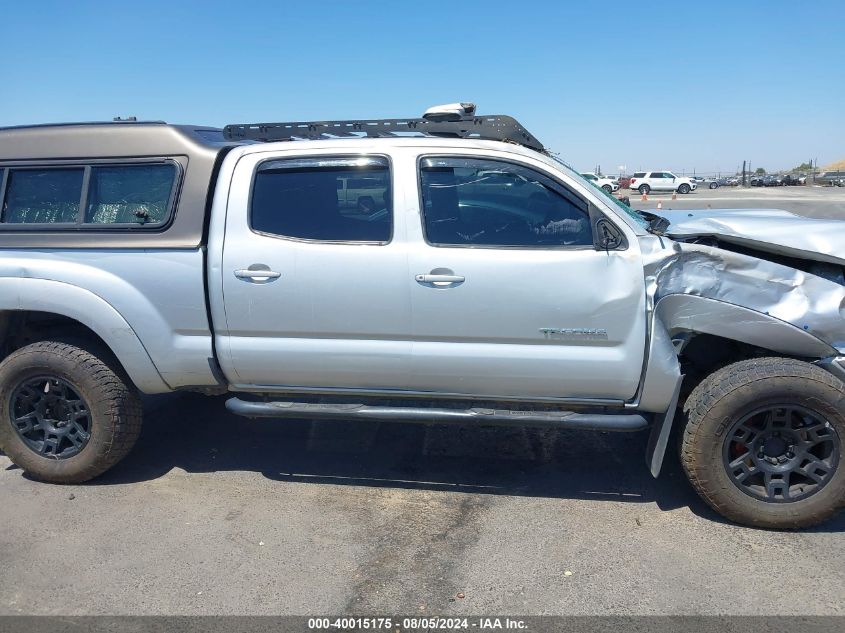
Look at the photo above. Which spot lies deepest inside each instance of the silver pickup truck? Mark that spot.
(487, 283)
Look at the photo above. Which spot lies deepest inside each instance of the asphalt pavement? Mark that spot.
(813, 202)
(212, 513)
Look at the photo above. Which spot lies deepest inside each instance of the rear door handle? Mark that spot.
(257, 272)
(440, 280)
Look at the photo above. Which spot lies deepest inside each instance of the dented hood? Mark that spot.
(770, 230)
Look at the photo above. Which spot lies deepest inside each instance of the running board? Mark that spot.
(479, 416)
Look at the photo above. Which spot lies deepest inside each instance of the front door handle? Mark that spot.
(439, 280)
(258, 273)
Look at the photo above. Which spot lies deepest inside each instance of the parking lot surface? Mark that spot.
(217, 514)
(813, 202)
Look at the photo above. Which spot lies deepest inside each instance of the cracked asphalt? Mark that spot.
(217, 514)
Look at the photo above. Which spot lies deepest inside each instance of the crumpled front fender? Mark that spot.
(745, 298)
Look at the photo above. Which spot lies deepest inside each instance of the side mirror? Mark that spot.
(608, 237)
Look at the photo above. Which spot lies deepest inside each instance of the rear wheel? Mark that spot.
(714, 185)
(763, 443)
(607, 188)
(684, 188)
(66, 415)
(644, 189)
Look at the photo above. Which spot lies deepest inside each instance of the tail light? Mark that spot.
(633, 180)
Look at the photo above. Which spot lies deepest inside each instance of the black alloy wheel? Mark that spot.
(781, 453)
(50, 416)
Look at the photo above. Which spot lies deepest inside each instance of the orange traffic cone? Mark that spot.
(660, 205)
(674, 196)
(644, 198)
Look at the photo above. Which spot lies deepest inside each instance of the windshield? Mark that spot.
(631, 213)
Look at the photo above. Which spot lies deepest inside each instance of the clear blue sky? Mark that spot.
(681, 85)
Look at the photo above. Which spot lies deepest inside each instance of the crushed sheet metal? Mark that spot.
(811, 303)
(771, 230)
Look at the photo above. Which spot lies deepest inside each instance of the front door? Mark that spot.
(663, 181)
(315, 289)
(509, 296)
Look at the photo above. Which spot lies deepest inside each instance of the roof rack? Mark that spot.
(493, 127)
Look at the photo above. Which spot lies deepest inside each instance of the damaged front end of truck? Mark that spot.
(733, 285)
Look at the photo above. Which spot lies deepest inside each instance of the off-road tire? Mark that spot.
(115, 410)
(732, 392)
(644, 189)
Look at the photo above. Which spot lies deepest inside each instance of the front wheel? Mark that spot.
(66, 415)
(763, 443)
(684, 188)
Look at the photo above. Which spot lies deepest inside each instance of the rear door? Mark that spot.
(315, 292)
(509, 296)
(660, 181)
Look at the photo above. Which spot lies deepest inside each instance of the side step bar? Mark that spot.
(479, 416)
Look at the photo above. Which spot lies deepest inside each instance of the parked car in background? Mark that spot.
(362, 194)
(602, 182)
(646, 181)
(792, 180)
(715, 183)
(830, 178)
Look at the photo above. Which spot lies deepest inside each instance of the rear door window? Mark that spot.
(301, 198)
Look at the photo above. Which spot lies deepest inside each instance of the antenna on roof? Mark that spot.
(449, 112)
(127, 119)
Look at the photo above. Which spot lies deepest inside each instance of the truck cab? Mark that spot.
(438, 270)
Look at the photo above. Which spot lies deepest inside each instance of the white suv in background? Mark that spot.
(645, 181)
(603, 182)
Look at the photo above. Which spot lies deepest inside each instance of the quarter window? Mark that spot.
(325, 199)
(114, 195)
(43, 196)
(129, 194)
(477, 202)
